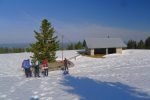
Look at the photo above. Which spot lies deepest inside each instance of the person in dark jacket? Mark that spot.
(36, 68)
(26, 65)
(66, 62)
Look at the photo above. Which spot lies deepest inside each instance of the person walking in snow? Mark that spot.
(26, 66)
(32, 65)
(66, 62)
(45, 67)
(36, 68)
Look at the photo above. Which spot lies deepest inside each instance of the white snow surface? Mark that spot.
(116, 77)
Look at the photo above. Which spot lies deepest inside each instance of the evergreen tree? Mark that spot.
(84, 44)
(78, 45)
(46, 44)
(70, 46)
(75, 46)
(10, 50)
(131, 44)
(27, 49)
(141, 45)
(147, 43)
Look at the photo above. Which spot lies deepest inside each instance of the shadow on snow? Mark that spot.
(89, 89)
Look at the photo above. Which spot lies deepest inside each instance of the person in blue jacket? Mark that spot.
(26, 65)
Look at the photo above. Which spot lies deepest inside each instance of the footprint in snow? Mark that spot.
(59, 78)
(36, 97)
(46, 98)
(44, 82)
(46, 89)
(51, 92)
(12, 89)
(43, 94)
(9, 99)
(42, 86)
(3, 96)
(35, 92)
(21, 83)
(53, 82)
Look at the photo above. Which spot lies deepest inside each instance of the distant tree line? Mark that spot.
(139, 45)
(4, 50)
(75, 46)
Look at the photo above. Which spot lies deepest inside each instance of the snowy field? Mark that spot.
(116, 77)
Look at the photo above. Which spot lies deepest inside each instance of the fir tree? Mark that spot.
(70, 46)
(131, 44)
(141, 45)
(46, 44)
(78, 45)
(147, 43)
(84, 44)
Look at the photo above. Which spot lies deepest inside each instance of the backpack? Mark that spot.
(44, 62)
(26, 64)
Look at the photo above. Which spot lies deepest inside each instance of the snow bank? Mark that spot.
(125, 76)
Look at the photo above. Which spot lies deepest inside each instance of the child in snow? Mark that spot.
(45, 67)
(26, 66)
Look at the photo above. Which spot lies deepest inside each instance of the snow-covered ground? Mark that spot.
(117, 77)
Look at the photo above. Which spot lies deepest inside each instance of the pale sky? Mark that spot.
(75, 19)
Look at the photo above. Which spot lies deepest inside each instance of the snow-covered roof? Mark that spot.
(104, 42)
